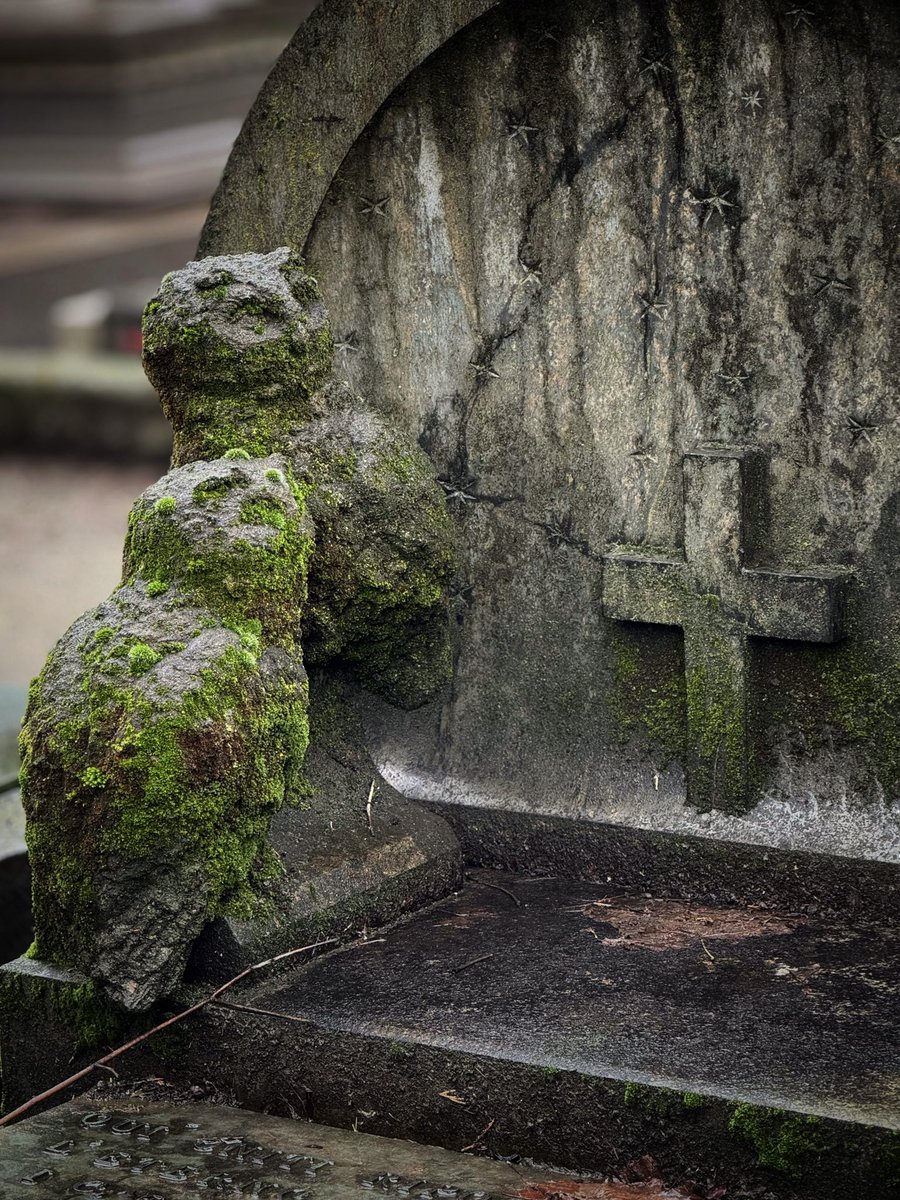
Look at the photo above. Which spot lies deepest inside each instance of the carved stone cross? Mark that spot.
(720, 603)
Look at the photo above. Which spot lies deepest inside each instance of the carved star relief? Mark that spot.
(484, 370)
(652, 306)
(374, 208)
(801, 16)
(715, 202)
(347, 345)
(734, 380)
(655, 67)
(519, 131)
(861, 427)
(830, 282)
(531, 275)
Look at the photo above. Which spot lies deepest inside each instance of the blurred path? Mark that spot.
(61, 530)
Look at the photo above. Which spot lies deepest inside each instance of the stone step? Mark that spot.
(131, 1148)
(715, 870)
(588, 1028)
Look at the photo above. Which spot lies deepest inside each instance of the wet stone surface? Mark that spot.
(140, 1152)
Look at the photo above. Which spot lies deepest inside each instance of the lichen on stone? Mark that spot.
(170, 722)
(191, 710)
(236, 346)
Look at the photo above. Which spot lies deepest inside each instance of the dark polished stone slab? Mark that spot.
(136, 1151)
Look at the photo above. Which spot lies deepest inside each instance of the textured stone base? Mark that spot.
(198, 1150)
(567, 1022)
(592, 1025)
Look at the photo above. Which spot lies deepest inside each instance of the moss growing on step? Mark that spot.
(781, 1140)
(661, 1102)
(89, 1018)
(653, 1101)
(94, 1020)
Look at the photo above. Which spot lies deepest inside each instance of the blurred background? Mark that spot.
(116, 118)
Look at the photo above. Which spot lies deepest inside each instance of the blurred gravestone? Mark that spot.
(15, 906)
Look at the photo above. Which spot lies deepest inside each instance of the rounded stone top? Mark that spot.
(235, 345)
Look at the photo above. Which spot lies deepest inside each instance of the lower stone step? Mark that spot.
(586, 1029)
(135, 1150)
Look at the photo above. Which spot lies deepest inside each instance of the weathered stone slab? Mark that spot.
(91, 405)
(593, 1025)
(139, 1151)
(15, 879)
(568, 255)
(354, 853)
(573, 1023)
(12, 706)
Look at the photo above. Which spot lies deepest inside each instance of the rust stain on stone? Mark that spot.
(652, 924)
(465, 920)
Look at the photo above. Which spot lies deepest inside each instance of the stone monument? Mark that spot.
(171, 723)
(615, 284)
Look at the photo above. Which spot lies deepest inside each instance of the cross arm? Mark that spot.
(644, 589)
(803, 606)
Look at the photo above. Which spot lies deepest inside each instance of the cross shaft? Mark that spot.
(720, 604)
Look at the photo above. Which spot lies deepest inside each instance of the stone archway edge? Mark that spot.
(333, 76)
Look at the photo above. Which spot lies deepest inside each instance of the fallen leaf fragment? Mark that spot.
(570, 1189)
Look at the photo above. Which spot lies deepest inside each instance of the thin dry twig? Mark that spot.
(497, 888)
(101, 1063)
(262, 1012)
(472, 962)
(487, 1129)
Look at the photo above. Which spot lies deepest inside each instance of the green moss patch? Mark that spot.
(783, 1141)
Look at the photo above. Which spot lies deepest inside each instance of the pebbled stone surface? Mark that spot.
(134, 1149)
